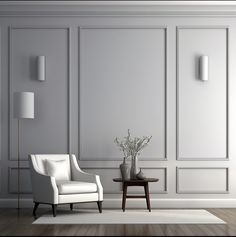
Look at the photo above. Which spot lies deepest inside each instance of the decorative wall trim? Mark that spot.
(165, 190)
(118, 8)
(10, 100)
(203, 192)
(166, 81)
(9, 177)
(165, 158)
(121, 3)
(227, 92)
(0, 99)
(69, 87)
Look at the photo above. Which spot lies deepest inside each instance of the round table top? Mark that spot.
(136, 180)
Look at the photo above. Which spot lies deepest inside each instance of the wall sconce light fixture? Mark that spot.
(204, 72)
(41, 68)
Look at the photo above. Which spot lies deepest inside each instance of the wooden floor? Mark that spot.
(13, 223)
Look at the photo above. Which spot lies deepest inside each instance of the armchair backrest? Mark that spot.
(39, 161)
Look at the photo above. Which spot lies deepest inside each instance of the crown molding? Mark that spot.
(120, 3)
(117, 8)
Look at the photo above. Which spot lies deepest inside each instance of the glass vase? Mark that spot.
(134, 167)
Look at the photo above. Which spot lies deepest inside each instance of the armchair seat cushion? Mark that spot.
(75, 187)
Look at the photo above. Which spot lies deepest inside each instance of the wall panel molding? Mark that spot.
(125, 27)
(22, 187)
(1, 179)
(1, 73)
(161, 23)
(203, 191)
(165, 179)
(199, 27)
(10, 92)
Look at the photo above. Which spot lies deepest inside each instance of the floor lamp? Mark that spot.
(23, 109)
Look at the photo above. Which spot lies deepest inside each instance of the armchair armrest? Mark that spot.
(78, 175)
(44, 187)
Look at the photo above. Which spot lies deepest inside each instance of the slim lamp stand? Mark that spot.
(18, 159)
(23, 109)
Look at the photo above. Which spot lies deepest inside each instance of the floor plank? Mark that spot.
(13, 223)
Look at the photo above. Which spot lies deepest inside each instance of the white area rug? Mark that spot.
(156, 216)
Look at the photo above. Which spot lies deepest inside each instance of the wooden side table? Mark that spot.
(136, 182)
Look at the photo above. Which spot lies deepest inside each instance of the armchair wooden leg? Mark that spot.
(99, 206)
(54, 209)
(36, 204)
(71, 206)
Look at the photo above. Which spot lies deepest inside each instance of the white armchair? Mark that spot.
(58, 179)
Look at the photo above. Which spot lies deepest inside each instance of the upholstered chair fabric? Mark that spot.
(58, 179)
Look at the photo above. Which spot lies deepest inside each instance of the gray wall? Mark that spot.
(105, 74)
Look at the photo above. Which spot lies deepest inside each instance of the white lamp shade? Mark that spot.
(23, 105)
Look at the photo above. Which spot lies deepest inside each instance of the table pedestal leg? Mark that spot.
(147, 196)
(124, 196)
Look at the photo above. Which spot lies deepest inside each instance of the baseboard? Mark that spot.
(155, 203)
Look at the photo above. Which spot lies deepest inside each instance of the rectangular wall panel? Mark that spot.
(122, 86)
(202, 180)
(110, 187)
(25, 180)
(202, 106)
(49, 132)
(1, 103)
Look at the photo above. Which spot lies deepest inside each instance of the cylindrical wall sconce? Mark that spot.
(41, 68)
(204, 72)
